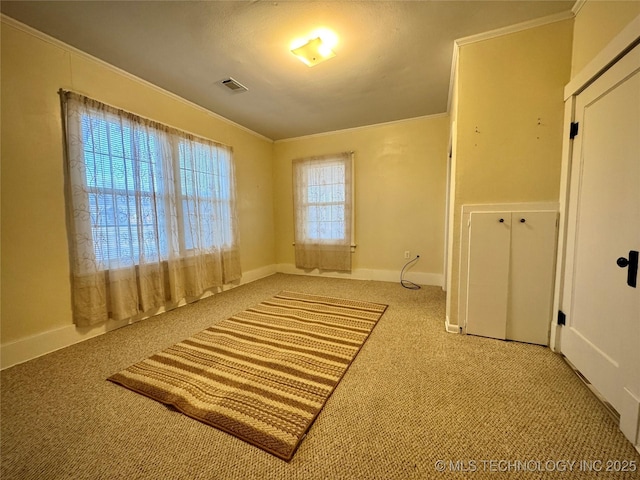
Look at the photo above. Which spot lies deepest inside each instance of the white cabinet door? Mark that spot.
(511, 264)
(533, 248)
(488, 274)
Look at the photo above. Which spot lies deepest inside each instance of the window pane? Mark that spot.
(337, 230)
(314, 194)
(205, 182)
(119, 218)
(126, 193)
(150, 250)
(188, 212)
(337, 193)
(312, 214)
(326, 196)
(145, 172)
(325, 193)
(313, 230)
(324, 213)
(324, 230)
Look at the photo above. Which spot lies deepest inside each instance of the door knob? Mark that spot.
(622, 262)
(631, 264)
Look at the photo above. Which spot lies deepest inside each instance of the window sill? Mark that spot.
(353, 246)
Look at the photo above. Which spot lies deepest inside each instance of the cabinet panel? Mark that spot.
(533, 247)
(488, 274)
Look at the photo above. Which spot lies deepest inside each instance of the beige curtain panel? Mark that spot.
(323, 209)
(152, 212)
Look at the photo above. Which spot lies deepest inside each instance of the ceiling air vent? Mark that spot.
(234, 85)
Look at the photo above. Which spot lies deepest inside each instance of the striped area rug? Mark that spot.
(264, 374)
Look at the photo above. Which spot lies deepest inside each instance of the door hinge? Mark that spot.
(562, 318)
(573, 131)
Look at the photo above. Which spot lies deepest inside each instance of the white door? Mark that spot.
(602, 334)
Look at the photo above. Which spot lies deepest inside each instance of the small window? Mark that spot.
(323, 204)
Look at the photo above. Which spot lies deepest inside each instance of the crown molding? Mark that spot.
(518, 27)
(363, 127)
(65, 46)
(577, 6)
(500, 32)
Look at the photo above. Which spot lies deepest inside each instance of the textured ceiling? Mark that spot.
(393, 58)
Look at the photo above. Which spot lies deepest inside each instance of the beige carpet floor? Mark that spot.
(414, 395)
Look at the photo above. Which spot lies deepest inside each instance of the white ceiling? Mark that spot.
(393, 57)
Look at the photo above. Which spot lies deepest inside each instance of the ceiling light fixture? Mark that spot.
(316, 50)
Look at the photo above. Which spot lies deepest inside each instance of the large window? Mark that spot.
(323, 205)
(152, 211)
(127, 193)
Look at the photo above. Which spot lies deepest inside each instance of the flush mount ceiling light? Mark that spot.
(317, 49)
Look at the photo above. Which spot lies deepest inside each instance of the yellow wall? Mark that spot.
(509, 123)
(400, 181)
(35, 263)
(596, 24)
(509, 88)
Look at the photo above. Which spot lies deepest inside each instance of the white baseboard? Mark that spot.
(630, 416)
(432, 279)
(257, 274)
(28, 348)
(450, 327)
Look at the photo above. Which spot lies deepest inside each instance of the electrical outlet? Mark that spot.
(407, 254)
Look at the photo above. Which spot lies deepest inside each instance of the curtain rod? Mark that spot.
(63, 91)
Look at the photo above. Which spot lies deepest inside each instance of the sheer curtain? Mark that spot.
(151, 212)
(323, 210)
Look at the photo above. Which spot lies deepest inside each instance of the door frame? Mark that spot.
(624, 42)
